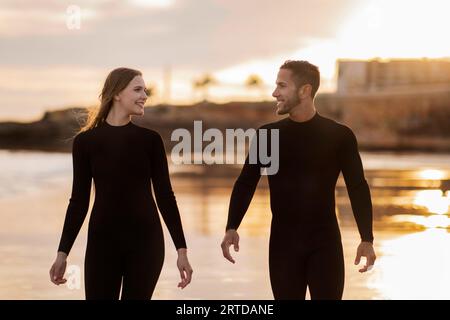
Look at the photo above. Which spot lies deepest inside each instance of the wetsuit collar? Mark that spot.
(313, 119)
(112, 126)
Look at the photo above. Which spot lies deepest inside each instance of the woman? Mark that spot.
(125, 244)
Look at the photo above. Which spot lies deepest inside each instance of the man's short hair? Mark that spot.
(304, 73)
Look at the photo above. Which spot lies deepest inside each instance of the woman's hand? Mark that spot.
(184, 267)
(58, 269)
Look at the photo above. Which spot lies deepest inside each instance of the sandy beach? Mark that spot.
(412, 263)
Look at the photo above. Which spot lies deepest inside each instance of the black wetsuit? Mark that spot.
(305, 244)
(125, 237)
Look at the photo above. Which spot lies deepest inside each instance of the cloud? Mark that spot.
(196, 34)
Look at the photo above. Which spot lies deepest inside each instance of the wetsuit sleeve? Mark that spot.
(80, 197)
(357, 187)
(164, 194)
(243, 191)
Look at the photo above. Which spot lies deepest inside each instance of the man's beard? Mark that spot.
(288, 105)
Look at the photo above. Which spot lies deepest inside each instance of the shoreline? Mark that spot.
(406, 123)
(372, 149)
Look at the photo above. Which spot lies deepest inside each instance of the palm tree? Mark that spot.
(150, 91)
(203, 84)
(255, 82)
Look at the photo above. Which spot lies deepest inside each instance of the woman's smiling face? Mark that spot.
(132, 99)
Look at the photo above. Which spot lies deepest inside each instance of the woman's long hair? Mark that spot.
(117, 80)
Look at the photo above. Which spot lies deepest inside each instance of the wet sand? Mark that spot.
(413, 258)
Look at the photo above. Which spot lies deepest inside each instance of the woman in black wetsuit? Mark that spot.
(125, 246)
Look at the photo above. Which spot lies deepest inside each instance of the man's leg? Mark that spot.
(326, 273)
(287, 273)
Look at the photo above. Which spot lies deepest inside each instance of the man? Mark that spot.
(305, 248)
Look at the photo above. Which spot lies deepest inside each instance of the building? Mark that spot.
(396, 75)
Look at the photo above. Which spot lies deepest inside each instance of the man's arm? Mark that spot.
(242, 193)
(359, 194)
(357, 187)
(241, 196)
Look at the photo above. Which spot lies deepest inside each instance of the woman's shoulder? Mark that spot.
(82, 136)
(80, 141)
(153, 134)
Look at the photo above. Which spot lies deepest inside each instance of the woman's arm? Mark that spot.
(168, 206)
(165, 197)
(79, 200)
(76, 210)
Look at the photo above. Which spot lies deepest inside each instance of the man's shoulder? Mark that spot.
(274, 125)
(336, 126)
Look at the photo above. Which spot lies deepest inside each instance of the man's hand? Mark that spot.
(231, 238)
(365, 249)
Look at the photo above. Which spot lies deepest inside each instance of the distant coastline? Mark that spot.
(394, 122)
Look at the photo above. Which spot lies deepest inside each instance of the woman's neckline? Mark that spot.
(113, 126)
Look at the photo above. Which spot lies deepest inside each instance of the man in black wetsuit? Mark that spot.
(305, 248)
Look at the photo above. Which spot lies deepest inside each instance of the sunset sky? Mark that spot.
(45, 64)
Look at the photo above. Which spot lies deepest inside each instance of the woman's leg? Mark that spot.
(142, 267)
(103, 273)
